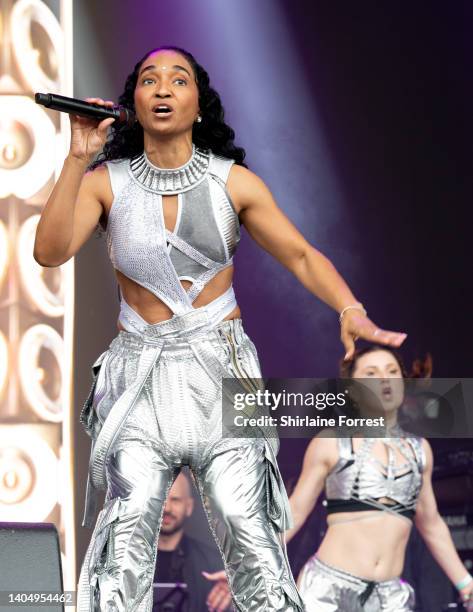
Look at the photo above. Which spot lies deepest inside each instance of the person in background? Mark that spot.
(182, 558)
(375, 489)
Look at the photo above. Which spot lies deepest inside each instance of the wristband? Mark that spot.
(464, 582)
(357, 306)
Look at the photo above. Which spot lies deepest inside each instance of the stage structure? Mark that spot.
(36, 303)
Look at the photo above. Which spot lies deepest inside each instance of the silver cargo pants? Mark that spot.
(156, 405)
(324, 588)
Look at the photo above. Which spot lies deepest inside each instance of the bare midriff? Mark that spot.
(370, 544)
(153, 310)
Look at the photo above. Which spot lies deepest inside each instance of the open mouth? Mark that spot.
(162, 109)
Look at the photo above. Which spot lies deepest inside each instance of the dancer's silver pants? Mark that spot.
(156, 405)
(324, 588)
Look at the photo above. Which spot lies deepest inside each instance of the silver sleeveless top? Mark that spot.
(205, 235)
(361, 477)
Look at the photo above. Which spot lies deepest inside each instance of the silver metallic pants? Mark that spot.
(156, 406)
(324, 588)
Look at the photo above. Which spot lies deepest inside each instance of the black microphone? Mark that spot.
(85, 109)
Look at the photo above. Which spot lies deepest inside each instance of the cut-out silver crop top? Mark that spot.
(205, 235)
(358, 480)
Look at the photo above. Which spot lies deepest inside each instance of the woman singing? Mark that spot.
(374, 488)
(171, 192)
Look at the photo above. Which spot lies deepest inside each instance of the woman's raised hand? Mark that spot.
(88, 136)
(467, 597)
(356, 325)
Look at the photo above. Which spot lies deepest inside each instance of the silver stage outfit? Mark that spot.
(357, 482)
(156, 401)
(327, 589)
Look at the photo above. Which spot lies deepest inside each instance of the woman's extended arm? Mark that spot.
(318, 460)
(273, 231)
(434, 530)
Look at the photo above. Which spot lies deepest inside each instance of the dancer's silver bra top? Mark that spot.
(359, 480)
(203, 241)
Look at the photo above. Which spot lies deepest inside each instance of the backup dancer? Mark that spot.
(375, 488)
(172, 191)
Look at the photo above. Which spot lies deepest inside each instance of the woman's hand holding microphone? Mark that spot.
(88, 136)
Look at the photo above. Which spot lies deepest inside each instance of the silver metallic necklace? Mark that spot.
(171, 181)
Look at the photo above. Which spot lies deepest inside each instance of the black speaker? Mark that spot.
(30, 563)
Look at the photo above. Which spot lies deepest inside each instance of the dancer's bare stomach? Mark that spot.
(372, 548)
(153, 310)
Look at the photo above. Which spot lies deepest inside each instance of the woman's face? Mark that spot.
(380, 385)
(166, 80)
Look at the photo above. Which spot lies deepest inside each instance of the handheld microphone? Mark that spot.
(85, 109)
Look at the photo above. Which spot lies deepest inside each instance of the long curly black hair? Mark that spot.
(212, 133)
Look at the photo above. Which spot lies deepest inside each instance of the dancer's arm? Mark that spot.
(74, 206)
(273, 231)
(319, 459)
(435, 531)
